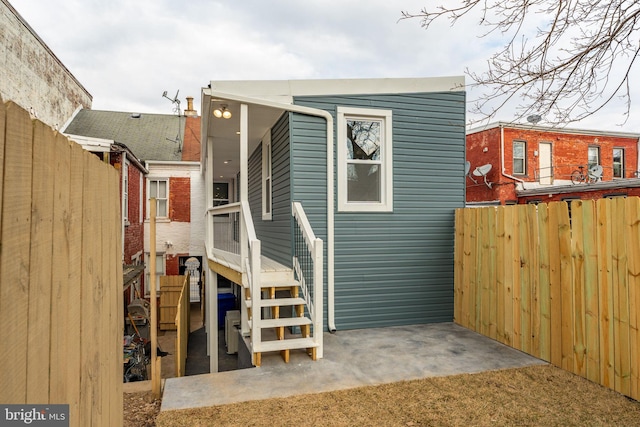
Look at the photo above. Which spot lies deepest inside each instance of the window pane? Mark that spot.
(518, 150)
(363, 139)
(518, 166)
(162, 189)
(364, 183)
(153, 189)
(162, 207)
(594, 156)
(267, 189)
(618, 162)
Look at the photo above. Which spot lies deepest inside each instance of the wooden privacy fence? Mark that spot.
(61, 306)
(183, 326)
(562, 285)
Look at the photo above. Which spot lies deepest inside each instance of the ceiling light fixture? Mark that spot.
(222, 112)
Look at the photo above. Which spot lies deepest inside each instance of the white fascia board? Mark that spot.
(100, 145)
(283, 91)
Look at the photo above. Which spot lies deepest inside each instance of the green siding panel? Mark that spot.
(275, 235)
(391, 268)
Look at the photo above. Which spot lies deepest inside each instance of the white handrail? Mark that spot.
(305, 226)
(224, 209)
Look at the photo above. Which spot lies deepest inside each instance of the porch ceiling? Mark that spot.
(225, 133)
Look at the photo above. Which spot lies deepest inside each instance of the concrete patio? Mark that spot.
(352, 358)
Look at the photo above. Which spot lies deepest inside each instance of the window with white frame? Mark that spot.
(267, 197)
(365, 160)
(159, 188)
(618, 162)
(160, 271)
(593, 156)
(519, 157)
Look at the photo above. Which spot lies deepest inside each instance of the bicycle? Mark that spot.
(594, 174)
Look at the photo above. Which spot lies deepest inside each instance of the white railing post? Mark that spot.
(256, 305)
(318, 330)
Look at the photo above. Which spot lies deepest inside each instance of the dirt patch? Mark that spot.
(140, 409)
(537, 395)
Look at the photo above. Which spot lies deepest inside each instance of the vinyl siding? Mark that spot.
(275, 235)
(392, 268)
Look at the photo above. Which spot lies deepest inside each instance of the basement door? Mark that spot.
(545, 162)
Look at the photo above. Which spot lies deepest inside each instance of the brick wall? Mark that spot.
(568, 151)
(180, 199)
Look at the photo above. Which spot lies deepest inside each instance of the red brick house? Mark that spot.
(132, 191)
(169, 148)
(511, 163)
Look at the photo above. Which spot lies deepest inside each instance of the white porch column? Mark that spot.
(244, 178)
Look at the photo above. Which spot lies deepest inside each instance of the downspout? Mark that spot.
(330, 193)
(504, 170)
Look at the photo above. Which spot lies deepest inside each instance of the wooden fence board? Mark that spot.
(2, 131)
(501, 238)
(14, 265)
(577, 257)
(633, 247)
(621, 304)
(466, 262)
(566, 289)
(511, 242)
(473, 270)
(555, 283)
(41, 241)
(591, 310)
(605, 293)
(544, 331)
(457, 266)
(491, 230)
(534, 272)
(63, 332)
(484, 304)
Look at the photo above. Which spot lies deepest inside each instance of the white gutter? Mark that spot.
(503, 169)
(330, 194)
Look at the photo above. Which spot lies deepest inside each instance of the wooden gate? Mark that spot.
(170, 288)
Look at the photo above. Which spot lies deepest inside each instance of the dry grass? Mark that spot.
(533, 396)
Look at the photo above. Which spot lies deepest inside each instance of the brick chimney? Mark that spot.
(190, 112)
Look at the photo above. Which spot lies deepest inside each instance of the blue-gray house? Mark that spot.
(331, 204)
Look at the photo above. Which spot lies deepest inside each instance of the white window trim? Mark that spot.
(267, 169)
(386, 190)
(523, 158)
(165, 217)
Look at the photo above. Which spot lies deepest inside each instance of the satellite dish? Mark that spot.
(467, 168)
(483, 171)
(534, 118)
(595, 172)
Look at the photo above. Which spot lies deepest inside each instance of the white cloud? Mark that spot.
(126, 53)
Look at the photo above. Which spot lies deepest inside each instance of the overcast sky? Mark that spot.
(127, 53)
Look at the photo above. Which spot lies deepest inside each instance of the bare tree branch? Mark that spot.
(564, 59)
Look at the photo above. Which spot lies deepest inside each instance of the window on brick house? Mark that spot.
(159, 188)
(593, 156)
(519, 157)
(618, 162)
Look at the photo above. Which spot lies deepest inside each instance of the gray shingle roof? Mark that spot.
(149, 136)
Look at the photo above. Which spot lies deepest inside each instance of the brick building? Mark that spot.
(511, 163)
(169, 148)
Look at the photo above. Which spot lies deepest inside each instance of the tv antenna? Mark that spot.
(175, 101)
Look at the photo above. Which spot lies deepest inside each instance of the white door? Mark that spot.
(546, 165)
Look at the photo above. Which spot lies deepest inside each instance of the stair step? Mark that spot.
(286, 344)
(286, 322)
(279, 283)
(279, 302)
